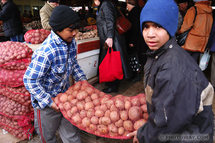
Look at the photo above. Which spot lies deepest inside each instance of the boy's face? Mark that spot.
(67, 34)
(155, 36)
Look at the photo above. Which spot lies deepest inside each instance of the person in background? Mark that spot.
(12, 24)
(179, 96)
(134, 39)
(211, 46)
(48, 75)
(183, 6)
(197, 38)
(108, 35)
(46, 11)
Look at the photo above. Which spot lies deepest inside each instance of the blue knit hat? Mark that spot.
(162, 12)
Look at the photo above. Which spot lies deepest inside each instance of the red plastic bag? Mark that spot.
(110, 68)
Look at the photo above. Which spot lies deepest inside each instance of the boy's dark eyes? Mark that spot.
(158, 26)
(145, 26)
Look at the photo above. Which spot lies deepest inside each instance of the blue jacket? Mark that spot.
(12, 24)
(179, 97)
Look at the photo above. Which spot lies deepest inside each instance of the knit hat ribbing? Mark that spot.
(162, 12)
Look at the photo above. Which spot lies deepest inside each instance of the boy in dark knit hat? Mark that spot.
(48, 75)
(179, 96)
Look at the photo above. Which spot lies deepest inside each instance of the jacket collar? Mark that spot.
(59, 40)
(157, 53)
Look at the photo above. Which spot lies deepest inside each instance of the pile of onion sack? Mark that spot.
(101, 114)
(16, 112)
(36, 36)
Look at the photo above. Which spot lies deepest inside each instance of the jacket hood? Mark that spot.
(204, 6)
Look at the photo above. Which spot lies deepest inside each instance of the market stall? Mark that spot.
(87, 55)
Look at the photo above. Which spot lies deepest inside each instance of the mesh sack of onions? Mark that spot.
(101, 114)
(36, 36)
(14, 55)
(13, 109)
(11, 78)
(18, 94)
(14, 128)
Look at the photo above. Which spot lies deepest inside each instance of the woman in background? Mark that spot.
(109, 37)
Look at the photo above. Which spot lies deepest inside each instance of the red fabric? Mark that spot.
(40, 126)
(110, 68)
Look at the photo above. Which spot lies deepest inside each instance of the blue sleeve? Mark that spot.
(33, 80)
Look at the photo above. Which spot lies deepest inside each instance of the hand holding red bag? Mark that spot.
(110, 68)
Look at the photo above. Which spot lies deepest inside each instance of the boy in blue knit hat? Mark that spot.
(179, 97)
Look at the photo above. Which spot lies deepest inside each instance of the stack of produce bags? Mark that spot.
(16, 112)
(101, 114)
(36, 36)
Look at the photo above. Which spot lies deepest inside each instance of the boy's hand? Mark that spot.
(55, 107)
(133, 134)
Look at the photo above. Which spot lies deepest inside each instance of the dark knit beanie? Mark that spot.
(53, 1)
(162, 12)
(62, 17)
